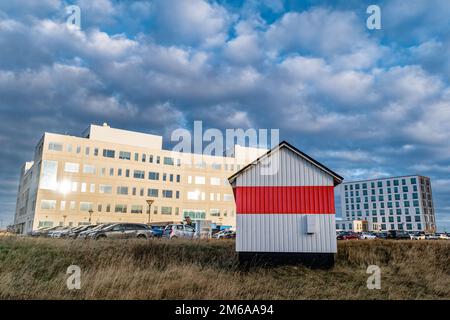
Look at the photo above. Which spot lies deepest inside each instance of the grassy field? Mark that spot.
(176, 269)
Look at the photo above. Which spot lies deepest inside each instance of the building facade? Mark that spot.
(108, 175)
(397, 203)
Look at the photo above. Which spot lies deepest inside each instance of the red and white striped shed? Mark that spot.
(285, 208)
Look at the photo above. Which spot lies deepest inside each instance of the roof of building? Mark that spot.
(284, 144)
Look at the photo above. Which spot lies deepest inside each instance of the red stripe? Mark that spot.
(289, 199)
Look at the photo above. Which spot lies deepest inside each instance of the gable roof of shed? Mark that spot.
(336, 178)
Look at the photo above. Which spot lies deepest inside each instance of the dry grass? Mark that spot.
(164, 269)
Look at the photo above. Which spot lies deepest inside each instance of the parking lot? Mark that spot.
(133, 230)
(391, 235)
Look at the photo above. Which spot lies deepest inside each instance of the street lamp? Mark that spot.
(149, 202)
(64, 223)
(90, 215)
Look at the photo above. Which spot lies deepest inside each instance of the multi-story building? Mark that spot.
(109, 175)
(396, 203)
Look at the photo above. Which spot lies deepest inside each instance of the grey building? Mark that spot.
(395, 203)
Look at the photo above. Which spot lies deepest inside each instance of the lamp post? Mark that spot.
(90, 215)
(64, 223)
(149, 202)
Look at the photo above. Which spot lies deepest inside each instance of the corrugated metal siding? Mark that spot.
(292, 171)
(285, 199)
(284, 233)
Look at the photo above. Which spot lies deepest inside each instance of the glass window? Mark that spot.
(214, 212)
(124, 155)
(89, 168)
(153, 175)
(228, 197)
(136, 208)
(48, 204)
(169, 161)
(120, 208)
(167, 193)
(215, 181)
(122, 190)
(166, 210)
(139, 174)
(200, 180)
(103, 188)
(71, 167)
(107, 153)
(49, 175)
(85, 206)
(152, 192)
(55, 146)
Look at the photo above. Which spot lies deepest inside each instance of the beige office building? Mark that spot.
(108, 175)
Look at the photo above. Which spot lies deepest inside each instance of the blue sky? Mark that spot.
(367, 103)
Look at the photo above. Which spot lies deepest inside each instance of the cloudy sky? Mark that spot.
(367, 103)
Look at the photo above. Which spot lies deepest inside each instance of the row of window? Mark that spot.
(126, 155)
(356, 193)
(383, 226)
(124, 208)
(382, 212)
(382, 205)
(379, 184)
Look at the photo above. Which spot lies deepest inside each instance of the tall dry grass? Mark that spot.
(176, 269)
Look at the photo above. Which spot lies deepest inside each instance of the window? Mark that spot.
(62, 205)
(48, 204)
(216, 166)
(95, 151)
(107, 153)
(92, 188)
(158, 159)
(215, 181)
(166, 210)
(150, 158)
(87, 150)
(71, 167)
(45, 224)
(164, 177)
(227, 197)
(143, 157)
(55, 146)
(200, 180)
(167, 193)
(85, 206)
(111, 172)
(169, 161)
(214, 212)
(119, 172)
(136, 209)
(139, 174)
(193, 195)
(153, 175)
(122, 190)
(72, 205)
(83, 187)
(177, 194)
(127, 173)
(49, 173)
(124, 155)
(88, 168)
(120, 208)
(178, 178)
(103, 188)
(152, 192)
(136, 157)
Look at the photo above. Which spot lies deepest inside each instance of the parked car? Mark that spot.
(41, 231)
(398, 235)
(367, 236)
(444, 236)
(432, 237)
(58, 233)
(417, 236)
(157, 231)
(123, 231)
(381, 235)
(347, 235)
(74, 233)
(85, 234)
(179, 231)
(225, 234)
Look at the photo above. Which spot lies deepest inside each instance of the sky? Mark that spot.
(366, 103)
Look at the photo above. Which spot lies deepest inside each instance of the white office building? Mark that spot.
(396, 203)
